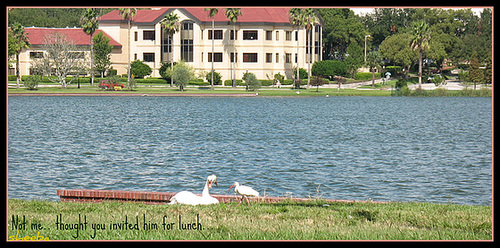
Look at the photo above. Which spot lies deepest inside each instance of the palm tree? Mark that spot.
(232, 14)
(310, 20)
(90, 24)
(373, 60)
(297, 19)
(171, 25)
(212, 12)
(128, 14)
(19, 42)
(421, 36)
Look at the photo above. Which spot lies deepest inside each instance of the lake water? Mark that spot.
(354, 148)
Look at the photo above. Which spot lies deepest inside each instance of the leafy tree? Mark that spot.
(475, 74)
(329, 69)
(397, 49)
(317, 81)
(181, 77)
(139, 69)
(354, 58)
(296, 17)
(102, 53)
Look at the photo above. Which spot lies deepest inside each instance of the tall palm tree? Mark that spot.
(421, 36)
(211, 13)
(19, 42)
(128, 14)
(90, 23)
(171, 25)
(232, 14)
(296, 16)
(373, 60)
(310, 20)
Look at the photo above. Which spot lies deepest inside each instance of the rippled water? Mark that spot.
(380, 148)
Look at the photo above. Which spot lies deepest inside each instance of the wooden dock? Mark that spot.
(97, 195)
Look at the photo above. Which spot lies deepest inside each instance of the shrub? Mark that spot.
(139, 69)
(252, 82)
(302, 73)
(329, 69)
(365, 76)
(31, 82)
(217, 78)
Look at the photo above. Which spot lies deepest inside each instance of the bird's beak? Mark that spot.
(230, 188)
(216, 183)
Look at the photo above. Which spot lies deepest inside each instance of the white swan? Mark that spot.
(188, 198)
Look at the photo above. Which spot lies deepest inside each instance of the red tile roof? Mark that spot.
(262, 14)
(36, 35)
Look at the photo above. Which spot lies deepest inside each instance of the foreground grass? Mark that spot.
(286, 220)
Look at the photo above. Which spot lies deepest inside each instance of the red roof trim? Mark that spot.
(37, 35)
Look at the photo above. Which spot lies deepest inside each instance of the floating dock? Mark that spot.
(97, 195)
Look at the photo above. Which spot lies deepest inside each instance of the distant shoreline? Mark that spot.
(138, 94)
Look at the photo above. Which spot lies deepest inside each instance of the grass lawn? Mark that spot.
(285, 220)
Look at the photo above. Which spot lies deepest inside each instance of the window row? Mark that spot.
(218, 57)
(252, 35)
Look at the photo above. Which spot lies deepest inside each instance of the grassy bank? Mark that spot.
(285, 220)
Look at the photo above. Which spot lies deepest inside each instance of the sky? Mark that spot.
(363, 11)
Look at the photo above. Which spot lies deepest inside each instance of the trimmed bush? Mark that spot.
(366, 76)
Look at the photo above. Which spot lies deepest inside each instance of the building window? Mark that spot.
(231, 34)
(288, 35)
(277, 57)
(217, 57)
(36, 55)
(288, 58)
(269, 57)
(296, 58)
(136, 35)
(187, 48)
(277, 35)
(250, 35)
(217, 34)
(296, 35)
(148, 57)
(249, 57)
(269, 35)
(234, 56)
(148, 35)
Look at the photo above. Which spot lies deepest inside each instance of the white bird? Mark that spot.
(188, 198)
(244, 191)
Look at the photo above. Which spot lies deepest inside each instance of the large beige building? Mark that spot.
(266, 43)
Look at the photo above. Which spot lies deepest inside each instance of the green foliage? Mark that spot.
(302, 73)
(366, 76)
(251, 80)
(317, 81)
(217, 78)
(165, 71)
(182, 74)
(329, 69)
(102, 53)
(139, 69)
(31, 82)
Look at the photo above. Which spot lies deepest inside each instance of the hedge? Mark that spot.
(366, 75)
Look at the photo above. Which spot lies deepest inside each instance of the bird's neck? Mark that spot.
(205, 190)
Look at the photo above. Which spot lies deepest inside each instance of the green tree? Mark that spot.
(329, 69)
(139, 70)
(211, 13)
(181, 77)
(373, 60)
(171, 25)
(397, 49)
(90, 23)
(421, 36)
(475, 74)
(251, 81)
(18, 40)
(296, 17)
(232, 14)
(102, 53)
(128, 14)
(354, 58)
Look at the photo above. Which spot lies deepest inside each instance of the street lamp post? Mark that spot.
(366, 36)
